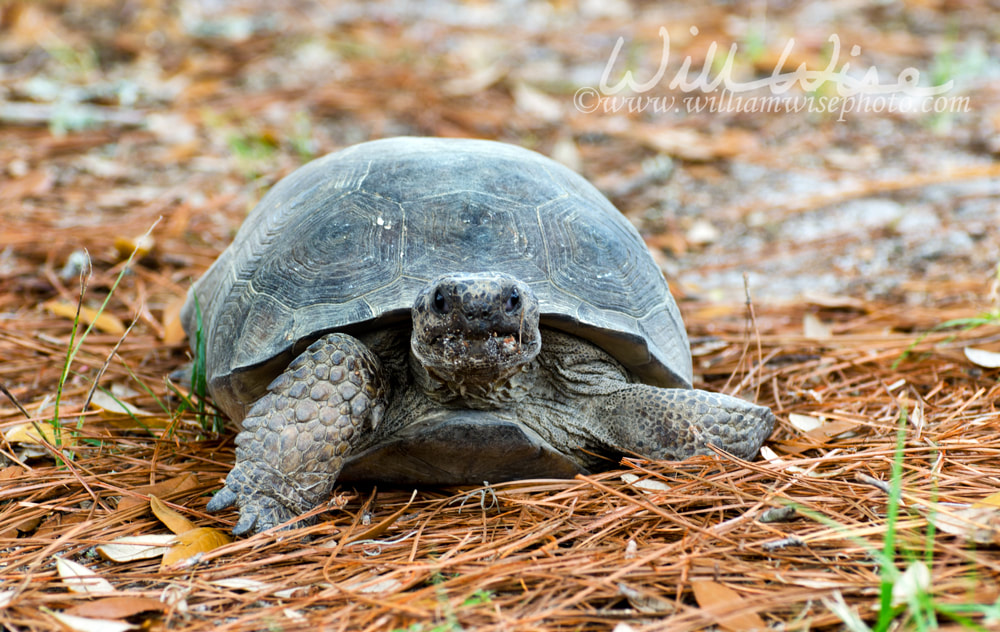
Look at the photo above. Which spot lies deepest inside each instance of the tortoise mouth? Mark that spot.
(489, 356)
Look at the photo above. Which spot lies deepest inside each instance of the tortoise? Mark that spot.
(444, 311)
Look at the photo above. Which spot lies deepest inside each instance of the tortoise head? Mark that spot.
(475, 328)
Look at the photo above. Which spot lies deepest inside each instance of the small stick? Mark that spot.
(874, 482)
(13, 400)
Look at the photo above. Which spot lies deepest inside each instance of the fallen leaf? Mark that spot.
(982, 357)
(242, 583)
(12, 472)
(914, 581)
(689, 144)
(813, 327)
(980, 525)
(368, 586)
(22, 526)
(645, 484)
(916, 416)
(294, 615)
(831, 429)
(108, 323)
(137, 547)
(87, 624)
(475, 82)
(832, 301)
(193, 542)
(702, 233)
(141, 246)
(168, 487)
(537, 103)
(993, 500)
(805, 423)
(565, 151)
(172, 519)
(110, 404)
(33, 433)
(28, 185)
(116, 607)
(845, 613)
(645, 601)
(712, 595)
(173, 330)
(80, 579)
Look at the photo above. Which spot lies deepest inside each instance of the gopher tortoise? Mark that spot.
(444, 311)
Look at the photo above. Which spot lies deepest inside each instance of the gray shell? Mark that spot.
(347, 241)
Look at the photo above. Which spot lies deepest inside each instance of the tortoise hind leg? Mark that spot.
(294, 439)
(675, 423)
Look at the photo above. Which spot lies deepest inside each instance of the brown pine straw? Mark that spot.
(575, 554)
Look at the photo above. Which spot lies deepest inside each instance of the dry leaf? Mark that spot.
(85, 624)
(104, 321)
(645, 484)
(173, 331)
(813, 327)
(80, 579)
(172, 519)
(33, 433)
(702, 233)
(646, 602)
(689, 144)
(22, 526)
(805, 423)
(982, 357)
(242, 583)
(193, 542)
(110, 404)
(993, 500)
(980, 525)
(12, 472)
(170, 486)
(475, 82)
(137, 547)
(141, 246)
(116, 607)
(712, 595)
(831, 301)
(537, 103)
(831, 429)
(915, 580)
(372, 586)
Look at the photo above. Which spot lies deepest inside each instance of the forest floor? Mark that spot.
(838, 263)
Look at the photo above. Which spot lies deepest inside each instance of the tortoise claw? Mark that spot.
(224, 498)
(257, 511)
(260, 513)
(246, 523)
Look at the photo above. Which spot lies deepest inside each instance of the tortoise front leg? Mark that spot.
(294, 439)
(676, 423)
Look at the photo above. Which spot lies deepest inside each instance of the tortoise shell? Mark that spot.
(347, 241)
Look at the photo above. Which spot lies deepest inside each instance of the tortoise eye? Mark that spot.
(441, 303)
(513, 301)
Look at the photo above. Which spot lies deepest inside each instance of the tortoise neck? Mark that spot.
(472, 389)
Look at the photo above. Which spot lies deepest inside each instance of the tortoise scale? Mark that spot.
(444, 311)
